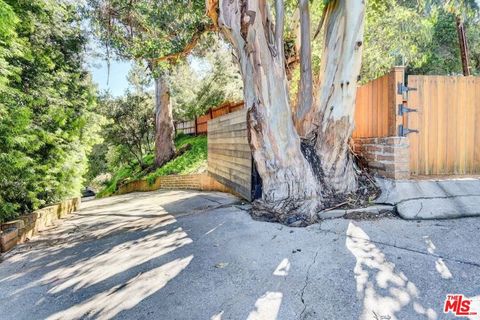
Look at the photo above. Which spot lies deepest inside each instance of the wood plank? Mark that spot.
(242, 190)
(358, 114)
(234, 127)
(423, 137)
(246, 162)
(231, 153)
(375, 96)
(413, 102)
(231, 175)
(392, 105)
(476, 157)
(226, 140)
(241, 114)
(451, 124)
(469, 124)
(364, 115)
(229, 134)
(240, 170)
(461, 119)
(383, 107)
(379, 107)
(227, 146)
(432, 124)
(441, 110)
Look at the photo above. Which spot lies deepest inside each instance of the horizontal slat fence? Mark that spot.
(187, 127)
(200, 124)
(229, 155)
(448, 120)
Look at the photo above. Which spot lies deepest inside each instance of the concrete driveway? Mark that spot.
(193, 255)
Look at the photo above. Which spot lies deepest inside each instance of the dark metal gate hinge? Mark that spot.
(403, 132)
(402, 109)
(402, 89)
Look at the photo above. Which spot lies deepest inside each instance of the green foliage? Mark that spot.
(443, 53)
(394, 35)
(191, 161)
(420, 34)
(145, 30)
(214, 80)
(187, 163)
(131, 124)
(47, 123)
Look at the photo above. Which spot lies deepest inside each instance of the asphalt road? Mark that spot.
(192, 255)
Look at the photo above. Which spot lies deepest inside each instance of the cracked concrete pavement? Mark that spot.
(194, 255)
(432, 198)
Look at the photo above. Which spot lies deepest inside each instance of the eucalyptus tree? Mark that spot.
(304, 161)
(159, 33)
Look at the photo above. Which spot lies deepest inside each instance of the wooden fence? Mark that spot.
(229, 155)
(440, 115)
(376, 106)
(448, 121)
(200, 124)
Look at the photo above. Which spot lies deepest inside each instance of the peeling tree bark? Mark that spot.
(298, 176)
(164, 127)
(290, 189)
(305, 89)
(333, 113)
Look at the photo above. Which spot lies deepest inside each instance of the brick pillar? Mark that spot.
(387, 157)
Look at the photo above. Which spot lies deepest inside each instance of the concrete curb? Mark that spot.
(371, 212)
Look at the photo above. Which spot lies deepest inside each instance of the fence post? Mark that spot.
(196, 129)
(397, 75)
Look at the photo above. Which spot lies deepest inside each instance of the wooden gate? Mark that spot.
(448, 120)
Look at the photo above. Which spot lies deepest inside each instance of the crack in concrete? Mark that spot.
(419, 210)
(473, 264)
(212, 200)
(436, 197)
(307, 276)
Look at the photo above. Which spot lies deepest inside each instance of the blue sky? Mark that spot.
(116, 83)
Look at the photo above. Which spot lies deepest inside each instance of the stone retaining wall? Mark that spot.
(388, 157)
(202, 182)
(28, 225)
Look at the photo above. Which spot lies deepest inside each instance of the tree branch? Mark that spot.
(212, 11)
(188, 47)
(322, 20)
(305, 90)
(279, 26)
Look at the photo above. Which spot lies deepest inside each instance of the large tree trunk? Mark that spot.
(290, 189)
(164, 128)
(333, 113)
(293, 178)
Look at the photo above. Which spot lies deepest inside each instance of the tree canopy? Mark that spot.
(157, 33)
(47, 101)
